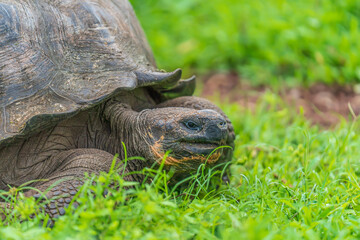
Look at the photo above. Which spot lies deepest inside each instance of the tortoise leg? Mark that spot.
(74, 164)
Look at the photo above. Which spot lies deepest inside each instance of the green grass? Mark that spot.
(266, 41)
(289, 180)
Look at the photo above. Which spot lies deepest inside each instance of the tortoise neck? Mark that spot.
(125, 131)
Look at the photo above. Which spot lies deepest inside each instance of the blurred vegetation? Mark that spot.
(298, 41)
(289, 180)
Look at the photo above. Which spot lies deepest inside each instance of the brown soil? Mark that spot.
(322, 104)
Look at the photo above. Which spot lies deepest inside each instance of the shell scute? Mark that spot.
(58, 57)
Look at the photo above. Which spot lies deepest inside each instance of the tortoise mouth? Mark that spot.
(200, 148)
(187, 155)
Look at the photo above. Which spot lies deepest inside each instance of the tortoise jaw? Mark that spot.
(187, 155)
(200, 148)
(197, 152)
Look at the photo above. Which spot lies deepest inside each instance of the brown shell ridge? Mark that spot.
(185, 87)
(161, 79)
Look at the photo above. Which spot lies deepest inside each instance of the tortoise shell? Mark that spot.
(61, 56)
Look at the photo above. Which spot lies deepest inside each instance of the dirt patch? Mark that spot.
(322, 104)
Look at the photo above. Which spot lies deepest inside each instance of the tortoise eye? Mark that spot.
(192, 125)
(222, 124)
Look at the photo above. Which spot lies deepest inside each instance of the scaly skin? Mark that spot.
(190, 127)
(63, 59)
(199, 104)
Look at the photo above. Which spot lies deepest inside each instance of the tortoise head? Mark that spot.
(190, 136)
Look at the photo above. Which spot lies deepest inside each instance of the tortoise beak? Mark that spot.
(212, 135)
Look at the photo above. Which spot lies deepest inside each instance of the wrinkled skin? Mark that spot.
(78, 80)
(190, 135)
(88, 142)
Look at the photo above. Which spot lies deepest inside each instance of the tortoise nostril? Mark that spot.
(215, 133)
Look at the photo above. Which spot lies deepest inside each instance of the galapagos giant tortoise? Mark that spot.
(77, 78)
